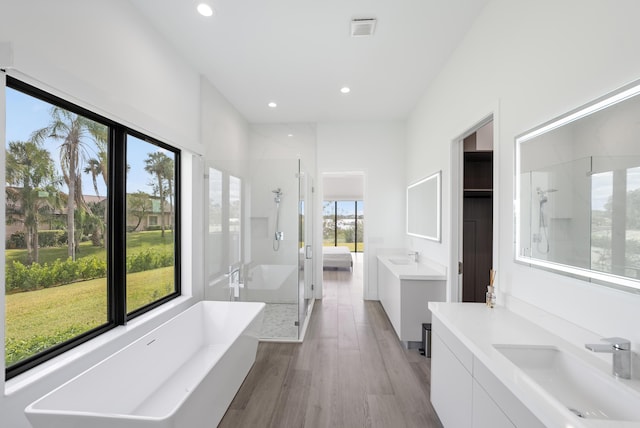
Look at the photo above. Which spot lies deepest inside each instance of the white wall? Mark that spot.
(103, 56)
(223, 130)
(528, 62)
(377, 150)
(343, 187)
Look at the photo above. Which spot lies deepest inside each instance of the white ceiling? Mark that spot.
(299, 53)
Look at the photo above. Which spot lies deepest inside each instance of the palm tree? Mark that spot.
(156, 165)
(98, 166)
(94, 168)
(168, 173)
(73, 131)
(30, 175)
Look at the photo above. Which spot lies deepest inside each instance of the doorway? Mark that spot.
(343, 226)
(477, 213)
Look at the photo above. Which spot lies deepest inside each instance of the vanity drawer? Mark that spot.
(513, 408)
(461, 352)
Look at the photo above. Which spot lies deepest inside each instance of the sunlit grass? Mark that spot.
(149, 286)
(83, 304)
(34, 313)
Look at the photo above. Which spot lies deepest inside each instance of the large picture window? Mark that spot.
(92, 210)
(343, 224)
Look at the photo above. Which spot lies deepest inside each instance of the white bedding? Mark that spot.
(336, 257)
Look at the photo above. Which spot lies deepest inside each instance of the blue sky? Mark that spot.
(26, 114)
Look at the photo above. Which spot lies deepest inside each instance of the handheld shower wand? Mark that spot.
(278, 235)
(542, 223)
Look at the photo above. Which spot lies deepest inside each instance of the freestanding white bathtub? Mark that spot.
(183, 374)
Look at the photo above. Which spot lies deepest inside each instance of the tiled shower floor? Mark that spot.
(279, 321)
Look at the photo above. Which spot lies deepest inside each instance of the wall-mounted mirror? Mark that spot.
(423, 208)
(577, 208)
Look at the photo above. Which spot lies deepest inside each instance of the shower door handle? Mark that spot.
(308, 253)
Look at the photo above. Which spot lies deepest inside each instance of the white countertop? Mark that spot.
(479, 328)
(412, 270)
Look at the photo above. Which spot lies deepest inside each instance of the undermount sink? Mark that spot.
(584, 390)
(401, 261)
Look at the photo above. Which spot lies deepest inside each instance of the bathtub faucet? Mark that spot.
(234, 282)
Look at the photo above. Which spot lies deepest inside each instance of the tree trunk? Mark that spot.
(29, 241)
(172, 203)
(161, 193)
(135, 229)
(71, 208)
(95, 238)
(36, 242)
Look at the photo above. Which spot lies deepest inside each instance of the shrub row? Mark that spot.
(46, 238)
(167, 227)
(149, 259)
(19, 277)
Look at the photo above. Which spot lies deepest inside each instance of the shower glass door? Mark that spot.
(305, 259)
(258, 246)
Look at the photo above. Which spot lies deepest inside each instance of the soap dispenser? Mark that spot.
(491, 294)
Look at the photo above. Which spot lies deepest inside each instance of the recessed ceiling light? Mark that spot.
(345, 89)
(290, 135)
(205, 10)
(272, 104)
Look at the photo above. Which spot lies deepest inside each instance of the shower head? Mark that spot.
(278, 193)
(542, 194)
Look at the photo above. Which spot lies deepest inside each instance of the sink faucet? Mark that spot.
(621, 350)
(416, 255)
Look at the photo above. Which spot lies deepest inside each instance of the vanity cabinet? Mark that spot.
(451, 385)
(465, 393)
(405, 291)
(486, 413)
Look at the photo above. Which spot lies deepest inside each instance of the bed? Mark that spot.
(336, 257)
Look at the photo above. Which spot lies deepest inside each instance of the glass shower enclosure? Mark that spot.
(258, 244)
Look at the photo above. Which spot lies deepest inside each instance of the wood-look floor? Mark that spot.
(351, 371)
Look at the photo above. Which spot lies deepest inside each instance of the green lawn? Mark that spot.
(66, 311)
(36, 320)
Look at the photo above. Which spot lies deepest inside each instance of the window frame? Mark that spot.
(116, 227)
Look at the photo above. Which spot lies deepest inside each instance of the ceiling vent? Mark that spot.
(363, 27)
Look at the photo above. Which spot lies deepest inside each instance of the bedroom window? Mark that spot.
(343, 224)
(81, 255)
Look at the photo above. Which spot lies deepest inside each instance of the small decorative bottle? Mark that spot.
(491, 297)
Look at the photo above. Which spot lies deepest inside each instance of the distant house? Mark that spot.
(149, 219)
(137, 220)
(55, 218)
